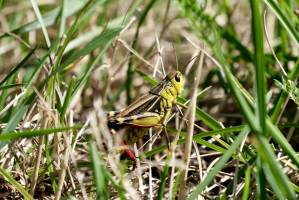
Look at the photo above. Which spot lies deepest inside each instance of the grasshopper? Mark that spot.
(149, 110)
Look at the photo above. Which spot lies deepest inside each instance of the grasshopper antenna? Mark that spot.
(190, 63)
(176, 58)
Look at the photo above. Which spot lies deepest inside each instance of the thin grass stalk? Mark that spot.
(139, 170)
(41, 141)
(66, 157)
(134, 44)
(190, 129)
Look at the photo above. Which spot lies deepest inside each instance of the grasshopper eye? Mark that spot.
(177, 77)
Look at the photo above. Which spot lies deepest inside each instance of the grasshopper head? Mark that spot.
(177, 80)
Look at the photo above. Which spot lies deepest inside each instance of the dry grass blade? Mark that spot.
(190, 128)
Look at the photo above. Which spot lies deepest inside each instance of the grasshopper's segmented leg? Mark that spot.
(166, 116)
(146, 119)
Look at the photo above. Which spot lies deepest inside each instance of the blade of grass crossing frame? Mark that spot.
(104, 40)
(260, 108)
(163, 178)
(70, 34)
(18, 66)
(49, 162)
(118, 186)
(260, 179)
(176, 185)
(64, 4)
(99, 174)
(219, 165)
(134, 43)
(98, 42)
(284, 20)
(233, 83)
(28, 134)
(4, 87)
(248, 114)
(209, 145)
(271, 168)
(67, 101)
(15, 183)
(246, 188)
(257, 31)
(49, 18)
(40, 19)
(196, 138)
(60, 52)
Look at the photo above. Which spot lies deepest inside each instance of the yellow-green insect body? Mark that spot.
(151, 109)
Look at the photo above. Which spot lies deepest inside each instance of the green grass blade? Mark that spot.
(64, 4)
(257, 30)
(99, 175)
(17, 185)
(204, 116)
(284, 20)
(67, 100)
(17, 67)
(260, 179)
(163, 179)
(134, 44)
(40, 19)
(98, 42)
(197, 137)
(4, 87)
(87, 73)
(49, 18)
(248, 114)
(272, 168)
(32, 133)
(246, 188)
(282, 141)
(209, 145)
(219, 165)
(118, 186)
(70, 34)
